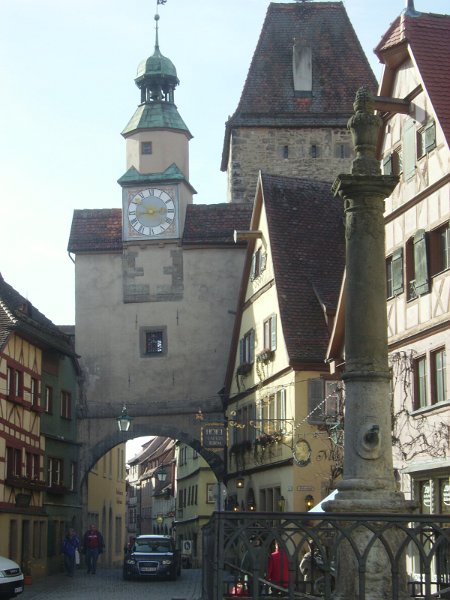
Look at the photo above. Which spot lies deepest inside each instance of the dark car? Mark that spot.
(152, 556)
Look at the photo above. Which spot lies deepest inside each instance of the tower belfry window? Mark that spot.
(146, 148)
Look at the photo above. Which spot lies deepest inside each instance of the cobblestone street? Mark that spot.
(108, 583)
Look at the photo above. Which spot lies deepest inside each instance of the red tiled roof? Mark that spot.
(100, 230)
(307, 243)
(339, 68)
(215, 223)
(96, 230)
(427, 36)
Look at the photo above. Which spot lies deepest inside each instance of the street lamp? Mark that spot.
(160, 474)
(124, 421)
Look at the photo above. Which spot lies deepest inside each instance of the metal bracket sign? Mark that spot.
(214, 435)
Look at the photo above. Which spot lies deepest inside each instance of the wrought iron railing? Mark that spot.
(352, 554)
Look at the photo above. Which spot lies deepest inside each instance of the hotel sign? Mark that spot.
(214, 436)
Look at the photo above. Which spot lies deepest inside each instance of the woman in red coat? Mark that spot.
(277, 567)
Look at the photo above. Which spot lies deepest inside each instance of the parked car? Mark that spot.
(11, 579)
(152, 556)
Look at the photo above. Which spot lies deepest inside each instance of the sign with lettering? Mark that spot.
(214, 435)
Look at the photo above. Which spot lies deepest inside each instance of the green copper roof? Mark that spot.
(158, 65)
(172, 173)
(156, 115)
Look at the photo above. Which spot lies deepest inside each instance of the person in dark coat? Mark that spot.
(93, 545)
(69, 548)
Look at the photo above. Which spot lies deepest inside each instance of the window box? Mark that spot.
(265, 356)
(244, 368)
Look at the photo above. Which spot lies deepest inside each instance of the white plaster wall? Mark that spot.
(198, 330)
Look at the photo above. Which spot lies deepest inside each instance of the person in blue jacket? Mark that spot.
(69, 548)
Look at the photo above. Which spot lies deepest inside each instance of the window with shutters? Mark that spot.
(409, 149)
(393, 162)
(259, 260)
(323, 400)
(420, 382)
(438, 376)
(394, 273)
(246, 347)
(417, 265)
(426, 139)
(270, 333)
(439, 249)
(55, 471)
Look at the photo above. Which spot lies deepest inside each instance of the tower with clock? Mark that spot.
(155, 187)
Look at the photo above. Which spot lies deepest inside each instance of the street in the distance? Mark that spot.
(108, 583)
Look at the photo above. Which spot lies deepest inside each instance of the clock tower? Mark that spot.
(155, 187)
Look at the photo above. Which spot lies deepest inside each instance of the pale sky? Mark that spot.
(67, 91)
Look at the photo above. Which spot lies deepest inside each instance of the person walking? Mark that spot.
(69, 548)
(92, 547)
(278, 569)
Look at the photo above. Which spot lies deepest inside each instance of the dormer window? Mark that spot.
(302, 69)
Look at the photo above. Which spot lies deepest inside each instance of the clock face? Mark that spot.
(152, 213)
(302, 453)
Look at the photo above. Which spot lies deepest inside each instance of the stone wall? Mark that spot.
(316, 153)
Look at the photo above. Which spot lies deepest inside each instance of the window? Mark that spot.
(342, 151)
(32, 465)
(420, 382)
(323, 400)
(246, 348)
(426, 139)
(13, 462)
(14, 383)
(66, 405)
(314, 151)
(393, 162)
(259, 260)
(270, 333)
(285, 151)
(54, 471)
(153, 341)
(417, 265)
(438, 376)
(48, 399)
(440, 249)
(146, 148)
(34, 392)
(394, 273)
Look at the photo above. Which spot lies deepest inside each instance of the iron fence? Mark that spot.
(351, 555)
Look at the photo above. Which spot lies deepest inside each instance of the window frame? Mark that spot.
(270, 333)
(420, 400)
(147, 145)
(148, 330)
(438, 376)
(66, 405)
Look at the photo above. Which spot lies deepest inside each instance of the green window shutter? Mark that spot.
(397, 272)
(421, 263)
(273, 332)
(430, 136)
(252, 347)
(409, 149)
(263, 261)
(387, 164)
(315, 397)
(253, 268)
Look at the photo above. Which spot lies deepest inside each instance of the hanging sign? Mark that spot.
(214, 435)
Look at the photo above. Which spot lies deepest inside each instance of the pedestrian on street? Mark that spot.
(278, 569)
(69, 549)
(92, 547)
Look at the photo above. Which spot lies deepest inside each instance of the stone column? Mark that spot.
(368, 483)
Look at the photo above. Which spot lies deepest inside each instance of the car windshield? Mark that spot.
(152, 546)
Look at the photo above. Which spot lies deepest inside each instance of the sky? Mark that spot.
(67, 91)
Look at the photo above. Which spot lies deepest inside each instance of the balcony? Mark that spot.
(18, 481)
